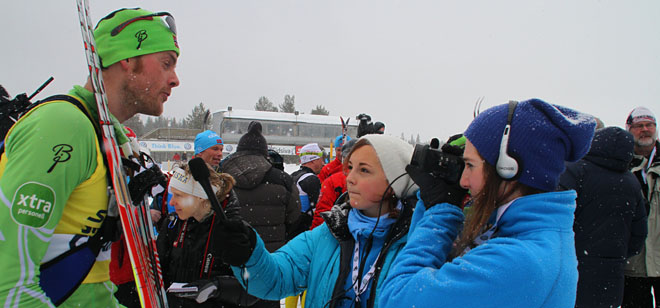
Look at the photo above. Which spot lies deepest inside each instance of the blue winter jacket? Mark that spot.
(530, 263)
(319, 261)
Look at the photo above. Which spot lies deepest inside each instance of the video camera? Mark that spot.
(438, 163)
(366, 127)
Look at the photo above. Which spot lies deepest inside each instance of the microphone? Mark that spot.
(200, 172)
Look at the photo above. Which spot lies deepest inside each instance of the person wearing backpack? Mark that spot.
(53, 182)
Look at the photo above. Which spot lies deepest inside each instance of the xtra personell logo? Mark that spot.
(141, 36)
(62, 154)
(32, 204)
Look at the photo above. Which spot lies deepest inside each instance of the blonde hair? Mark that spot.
(222, 181)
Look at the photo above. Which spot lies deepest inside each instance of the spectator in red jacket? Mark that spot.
(335, 165)
(331, 188)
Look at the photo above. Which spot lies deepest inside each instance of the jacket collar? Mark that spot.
(337, 221)
(551, 210)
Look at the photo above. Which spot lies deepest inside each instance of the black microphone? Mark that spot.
(200, 172)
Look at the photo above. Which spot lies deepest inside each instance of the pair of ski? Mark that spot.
(344, 130)
(135, 220)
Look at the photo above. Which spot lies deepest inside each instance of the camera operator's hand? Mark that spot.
(455, 145)
(434, 190)
(239, 240)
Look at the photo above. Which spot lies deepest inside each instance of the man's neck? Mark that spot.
(122, 114)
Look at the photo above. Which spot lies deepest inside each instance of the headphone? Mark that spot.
(507, 167)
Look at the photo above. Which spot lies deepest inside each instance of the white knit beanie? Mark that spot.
(310, 152)
(394, 154)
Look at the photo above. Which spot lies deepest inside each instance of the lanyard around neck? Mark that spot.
(648, 165)
(359, 286)
(208, 259)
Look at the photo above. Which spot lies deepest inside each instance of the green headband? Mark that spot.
(137, 38)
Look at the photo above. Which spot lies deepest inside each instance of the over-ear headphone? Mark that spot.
(507, 167)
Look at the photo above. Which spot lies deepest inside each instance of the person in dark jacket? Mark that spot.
(189, 247)
(610, 218)
(268, 196)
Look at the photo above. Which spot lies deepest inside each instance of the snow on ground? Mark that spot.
(290, 168)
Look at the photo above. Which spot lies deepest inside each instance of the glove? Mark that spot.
(205, 289)
(455, 145)
(434, 190)
(147, 181)
(239, 239)
(233, 207)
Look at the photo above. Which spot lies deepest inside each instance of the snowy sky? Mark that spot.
(418, 66)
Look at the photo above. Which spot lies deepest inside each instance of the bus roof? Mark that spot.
(283, 117)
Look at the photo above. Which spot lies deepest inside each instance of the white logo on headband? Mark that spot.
(187, 184)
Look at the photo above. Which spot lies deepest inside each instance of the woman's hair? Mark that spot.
(223, 181)
(484, 204)
(389, 198)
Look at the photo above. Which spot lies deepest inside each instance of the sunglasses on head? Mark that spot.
(169, 22)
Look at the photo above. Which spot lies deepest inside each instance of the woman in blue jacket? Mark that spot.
(517, 247)
(343, 262)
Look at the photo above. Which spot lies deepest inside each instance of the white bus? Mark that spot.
(284, 132)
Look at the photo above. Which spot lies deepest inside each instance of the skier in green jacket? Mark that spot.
(53, 185)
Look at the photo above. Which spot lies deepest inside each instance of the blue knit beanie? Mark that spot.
(205, 140)
(339, 140)
(542, 138)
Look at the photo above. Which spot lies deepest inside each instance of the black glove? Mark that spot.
(455, 145)
(205, 289)
(239, 240)
(233, 207)
(434, 190)
(233, 292)
(146, 181)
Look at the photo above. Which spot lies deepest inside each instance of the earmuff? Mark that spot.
(507, 167)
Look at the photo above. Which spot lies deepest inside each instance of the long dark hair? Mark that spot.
(484, 204)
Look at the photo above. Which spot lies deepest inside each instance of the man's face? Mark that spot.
(316, 165)
(149, 82)
(645, 133)
(212, 155)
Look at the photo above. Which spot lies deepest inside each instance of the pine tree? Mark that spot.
(135, 123)
(198, 118)
(264, 104)
(289, 105)
(320, 110)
